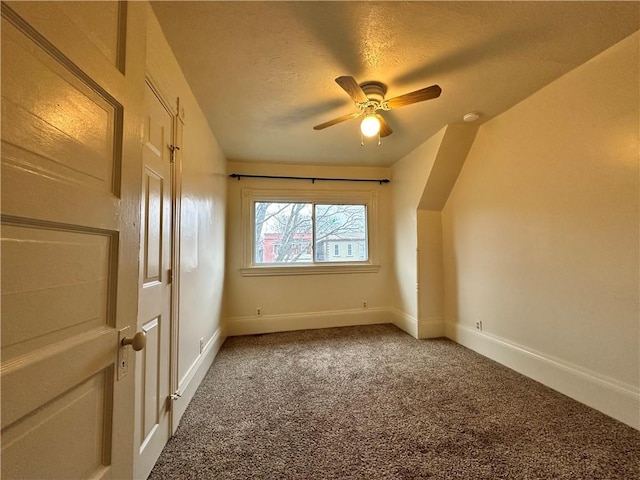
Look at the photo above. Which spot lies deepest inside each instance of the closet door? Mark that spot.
(153, 394)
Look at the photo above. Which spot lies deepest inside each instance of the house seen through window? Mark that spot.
(294, 233)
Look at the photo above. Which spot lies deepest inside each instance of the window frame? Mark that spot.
(247, 217)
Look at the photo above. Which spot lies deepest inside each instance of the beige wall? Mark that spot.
(541, 230)
(304, 301)
(422, 182)
(202, 226)
(430, 274)
(409, 178)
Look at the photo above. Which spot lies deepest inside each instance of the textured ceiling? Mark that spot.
(264, 72)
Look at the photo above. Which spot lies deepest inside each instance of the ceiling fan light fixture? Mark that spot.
(370, 126)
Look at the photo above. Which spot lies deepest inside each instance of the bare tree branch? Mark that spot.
(293, 224)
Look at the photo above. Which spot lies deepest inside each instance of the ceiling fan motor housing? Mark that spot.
(374, 90)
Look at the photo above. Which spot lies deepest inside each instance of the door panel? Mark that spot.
(54, 123)
(151, 379)
(152, 259)
(102, 25)
(70, 210)
(55, 284)
(100, 22)
(26, 448)
(154, 311)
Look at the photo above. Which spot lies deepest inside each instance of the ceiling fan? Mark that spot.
(369, 98)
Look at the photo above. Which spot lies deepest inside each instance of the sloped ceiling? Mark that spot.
(264, 72)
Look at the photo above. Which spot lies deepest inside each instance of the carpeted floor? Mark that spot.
(373, 403)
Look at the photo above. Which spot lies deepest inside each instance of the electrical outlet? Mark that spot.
(365, 304)
(479, 325)
(259, 311)
(202, 345)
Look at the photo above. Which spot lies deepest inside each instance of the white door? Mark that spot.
(153, 392)
(71, 170)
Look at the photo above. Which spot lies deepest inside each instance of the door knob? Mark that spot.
(137, 342)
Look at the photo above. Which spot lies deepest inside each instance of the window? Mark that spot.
(302, 232)
(291, 232)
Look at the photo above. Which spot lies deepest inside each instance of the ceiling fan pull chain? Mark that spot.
(379, 141)
(361, 139)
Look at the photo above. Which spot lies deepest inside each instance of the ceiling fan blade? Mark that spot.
(414, 97)
(341, 119)
(350, 86)
(385, 129)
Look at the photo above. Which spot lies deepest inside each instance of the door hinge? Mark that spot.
(169, 276)
(170, 399)
(173, 149)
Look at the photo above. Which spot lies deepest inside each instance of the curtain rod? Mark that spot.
(313, 179)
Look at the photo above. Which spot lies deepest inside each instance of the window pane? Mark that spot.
(282, 233)
(337, 227)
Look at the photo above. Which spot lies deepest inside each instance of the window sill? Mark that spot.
(308, 270)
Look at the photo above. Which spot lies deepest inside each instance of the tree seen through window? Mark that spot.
(288, 232)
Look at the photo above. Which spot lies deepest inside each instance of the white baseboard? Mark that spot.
(252, 325)
(431, 328)
(405, 322)
(191, 380)
(302, 321)
(428, 328)
(616, 399)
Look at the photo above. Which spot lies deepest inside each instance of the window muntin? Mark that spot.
(286, 233)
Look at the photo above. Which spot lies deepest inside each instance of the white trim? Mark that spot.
(176, 265)
(309, 269)
(431, 328)
(612, 397)
(191, 380)
(252, 325)
(405, 322)
(251, 195)
(428, 328)
(187, 378)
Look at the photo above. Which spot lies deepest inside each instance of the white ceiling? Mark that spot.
(264, 72)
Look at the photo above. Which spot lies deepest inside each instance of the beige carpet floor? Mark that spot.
(373, 403)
